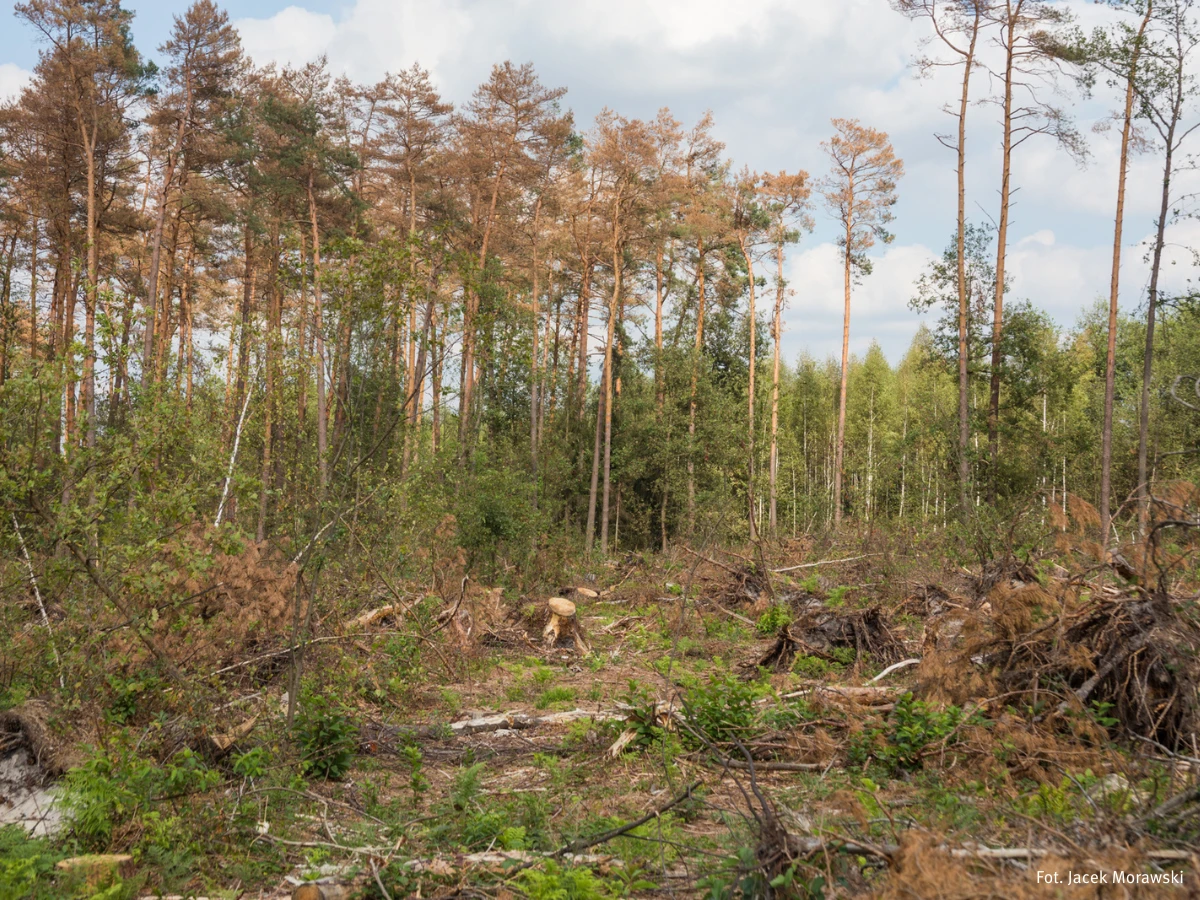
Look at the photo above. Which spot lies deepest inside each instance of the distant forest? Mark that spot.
(264, 299)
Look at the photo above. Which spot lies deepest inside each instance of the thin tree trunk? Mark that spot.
(90, 298)
(1143, 474)
(319, 333)
(993, 422)
(964, 419)
(608, 387)
(776, 336)
(699, 349)
(1118, 224)
(751, 396)
(156, 248)
(839, 451)
(533, 356)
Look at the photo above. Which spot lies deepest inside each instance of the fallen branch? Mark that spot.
(824, 562)
(866, 695)
(583, 844)
(903, 664)
(730, 612)
(771, 766)
(706, 559)
(41, 606)
(237, 439)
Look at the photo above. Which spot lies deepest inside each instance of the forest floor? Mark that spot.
(799, 721)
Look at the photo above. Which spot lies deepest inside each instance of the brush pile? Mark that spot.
(1131, 658)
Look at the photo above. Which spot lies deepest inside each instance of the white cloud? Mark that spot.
(293, 35)
(774, 72)
(878, 304)
(12, 79)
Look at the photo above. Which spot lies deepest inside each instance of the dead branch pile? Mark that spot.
(745, 584)
(865, 631)
(1134, 658)
(218, 603)
(26, 727)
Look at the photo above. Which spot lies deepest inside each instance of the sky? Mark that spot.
(773, 73)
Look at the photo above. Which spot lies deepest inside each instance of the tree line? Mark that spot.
(250, 295)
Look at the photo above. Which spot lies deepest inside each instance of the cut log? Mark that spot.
(97, 869)
(371, 616)
(587, 592)
(222, 742)
(563, 623)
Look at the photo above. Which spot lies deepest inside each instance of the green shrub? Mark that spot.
(723, 710)
(912, 727)
(326, 738)
(563, 883)
(115, 787)
(26, 864)
(550, 696)
(775, 618)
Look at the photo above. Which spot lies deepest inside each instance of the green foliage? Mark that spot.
(551, 696)
(327, 739)
(252, 763)
(26, 864)
(116, 787)
(912, 728)
(128, 696)
(741, 877)
(722, 710)
(555, 882)
(417, 780)
(776, 616)
(807, 666)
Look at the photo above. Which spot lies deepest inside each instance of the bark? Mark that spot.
(533, 356)
(751, 396)
(964, 420)
(319, 333)
(839, 450)
(993, 422)
(613, 308)
(1118, 224)
(691, 462)
(776, 336)
(1143, 474)
(90, 297)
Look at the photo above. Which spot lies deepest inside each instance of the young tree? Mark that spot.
(957, 24)
(1124, 54)
(1167, 89)
(786, 198)
(859, 192)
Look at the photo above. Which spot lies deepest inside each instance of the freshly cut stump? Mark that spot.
(563, 624)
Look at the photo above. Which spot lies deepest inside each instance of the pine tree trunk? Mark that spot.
(993, 422)
(1118, 224)
(964, 419)
(1143, 474)
(751, 396)
(839, 451)
(608, 389)
(319, 333)
(776, 336)
(699, 350)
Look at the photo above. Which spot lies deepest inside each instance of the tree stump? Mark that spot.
(563, 624)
